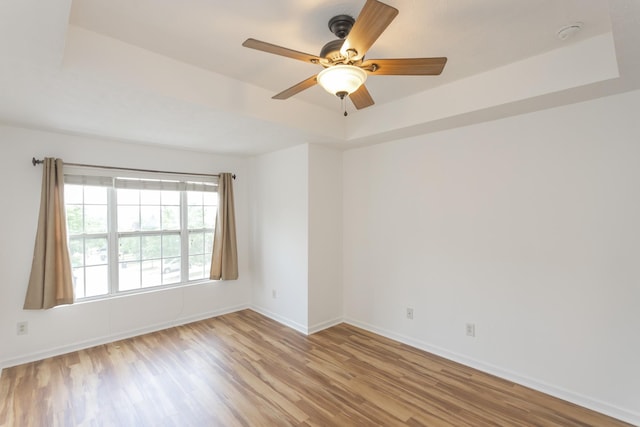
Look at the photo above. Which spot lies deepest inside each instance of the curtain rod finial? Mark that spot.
(35, 161)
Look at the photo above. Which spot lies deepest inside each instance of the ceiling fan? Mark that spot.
(345, 68)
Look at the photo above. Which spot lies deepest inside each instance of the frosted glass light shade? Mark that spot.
(342, 78)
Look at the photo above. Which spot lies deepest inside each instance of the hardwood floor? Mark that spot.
(243, 369)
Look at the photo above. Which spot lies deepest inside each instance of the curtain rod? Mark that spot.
(35, 162)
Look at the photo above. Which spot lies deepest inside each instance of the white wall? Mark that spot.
(69, 327)
(325, 237)
(296, 240)
(279, 239)
(527, 227)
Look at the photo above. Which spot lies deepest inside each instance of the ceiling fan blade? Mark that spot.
(374, 18)
(279, 50)
(361, 98)
(297, 88)
(405, 66)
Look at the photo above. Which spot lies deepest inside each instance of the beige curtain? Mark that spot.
(224, 261)
(51, 280)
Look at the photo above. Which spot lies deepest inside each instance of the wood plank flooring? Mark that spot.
(243, 369)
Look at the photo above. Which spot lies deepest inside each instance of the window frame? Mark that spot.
(108, 178)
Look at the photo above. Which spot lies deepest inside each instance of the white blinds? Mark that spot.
(147, 184)
(164, 183)
(96, 181)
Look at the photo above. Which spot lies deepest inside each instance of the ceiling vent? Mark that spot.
(569, 30)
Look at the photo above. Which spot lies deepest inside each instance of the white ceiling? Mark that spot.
(175, 73)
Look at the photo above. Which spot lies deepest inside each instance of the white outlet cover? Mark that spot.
(471, 329)
(22, 328)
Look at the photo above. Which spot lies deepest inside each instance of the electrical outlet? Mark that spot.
(274, 294)
(22, 328)
(409, 313)
(471, 329)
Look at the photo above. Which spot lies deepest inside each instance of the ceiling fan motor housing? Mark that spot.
(331, 51)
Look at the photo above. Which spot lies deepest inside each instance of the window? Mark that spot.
(132, 233)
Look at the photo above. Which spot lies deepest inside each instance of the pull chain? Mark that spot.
(343, 103)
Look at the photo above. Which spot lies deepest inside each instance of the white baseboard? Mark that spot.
(280, 319)
(307, 330)
(584, 401)
(324, 325)
(106, 339)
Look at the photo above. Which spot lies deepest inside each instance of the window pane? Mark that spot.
(76, 252)
(196, 267)
(208, 242)
(150, 217)
(196, 217)
(171, 217)
(96, 251)
(151, 247)
(78, 282)
(128, 218)
(75, 220)
(194, 198)
(210, 199)
(151, 273)
(73, 194)
(210, 213)
(150, 197)
(170, 245)
(95, 195)
(129, 248)
(207, 265)
(196, 243)
(171, 278)
(171, 198)
(129, 273)
(128, 197)
(97, 280)
(95, 219)
(171, 270)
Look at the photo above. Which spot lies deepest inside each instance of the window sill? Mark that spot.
(145, 291)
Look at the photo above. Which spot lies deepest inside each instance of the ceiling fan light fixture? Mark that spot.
(342, 78)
